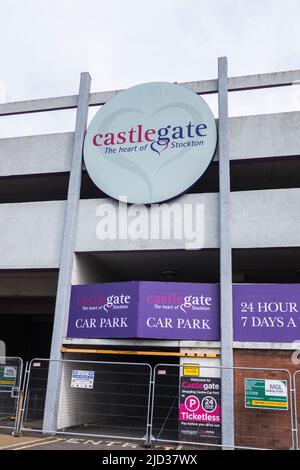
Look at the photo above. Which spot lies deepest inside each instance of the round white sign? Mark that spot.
(150, 143)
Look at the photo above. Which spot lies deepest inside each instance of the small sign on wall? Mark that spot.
(200, 409)
(266, 394)
(8, 376)
(82, 379)
(191, 370)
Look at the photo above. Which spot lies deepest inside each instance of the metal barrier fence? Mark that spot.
(165, 404)
(103, 399)
(11, 371)
(296, 381)
(186, 409)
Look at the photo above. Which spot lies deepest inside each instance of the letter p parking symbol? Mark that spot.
(192, 403)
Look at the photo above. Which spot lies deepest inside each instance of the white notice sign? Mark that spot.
(82, 379)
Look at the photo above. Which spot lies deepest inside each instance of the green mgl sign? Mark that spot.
(266, 394)
(8, 376)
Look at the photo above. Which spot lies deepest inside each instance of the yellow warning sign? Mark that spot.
(269, 404)
(7, 382)
(138, 353)
(191, 370)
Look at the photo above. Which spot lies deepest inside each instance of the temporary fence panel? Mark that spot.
(112, 399)
(187, 409)
(11, 370)
(263, 404)
(35, 394)
(297, 407)
(97, 398)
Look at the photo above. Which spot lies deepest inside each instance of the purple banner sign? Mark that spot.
(266, 312)
(173, 310)
(103, 310)
(158, 310)
(145, 310)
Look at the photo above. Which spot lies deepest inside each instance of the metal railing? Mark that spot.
(103, 399)
(296, 386)
(258, 424)
(11, 372)
(129, 400)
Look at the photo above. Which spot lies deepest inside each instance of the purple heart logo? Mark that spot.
(160, 145)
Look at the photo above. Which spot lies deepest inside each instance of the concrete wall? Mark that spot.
(265, 135)
(268, 135)
(268, 218)
(208, 371)
(31, 233)
(28, 284)
(93, 214)
(87, 270)
(117, 403)
(76, 406)
(265, 219)
(36, 154)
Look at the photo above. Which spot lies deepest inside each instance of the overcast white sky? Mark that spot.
(45, 44)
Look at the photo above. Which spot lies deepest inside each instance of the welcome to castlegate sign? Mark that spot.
(150, 143)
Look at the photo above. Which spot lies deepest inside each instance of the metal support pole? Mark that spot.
(225, 261)
(67, 256)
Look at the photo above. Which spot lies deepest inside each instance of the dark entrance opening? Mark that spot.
(26, 326)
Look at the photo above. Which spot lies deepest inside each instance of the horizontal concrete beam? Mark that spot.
(176, 344)
(274, 346)
(28, 284)
(31, 233)
(49, 153)
(260, 219)
(261, 136)
(264, 136)
(246, 82)
(142, 342)
(264, 219)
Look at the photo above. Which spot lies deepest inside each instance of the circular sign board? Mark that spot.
(150, 143)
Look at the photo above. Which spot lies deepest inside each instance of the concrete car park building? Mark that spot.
(40, 257)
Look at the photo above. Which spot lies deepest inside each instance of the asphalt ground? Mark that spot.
(38, 442)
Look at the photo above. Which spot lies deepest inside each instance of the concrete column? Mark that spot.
(227, 375)
(67, 256)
